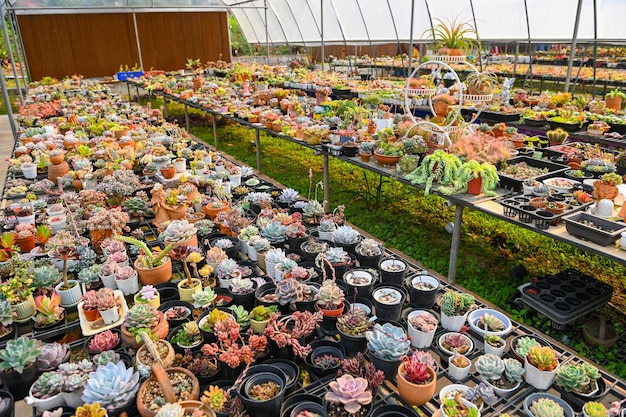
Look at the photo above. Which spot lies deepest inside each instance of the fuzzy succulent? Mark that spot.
(204, 298)
(52, 354)
(171, 410)
(387, 341)
(370, 247)
(105, 357)
(543, 357)
(346, 235)
(274, 232)
(456, 304)
(330, 295)
(226, 268)
(490, 366)
(350, 392)
(355, 322)
(490, 322)
(179, 231)
(524, 344)
(47, 385)
(545, 407)
(572, 377)
(103, 341)
(112, 386)
(90, 410)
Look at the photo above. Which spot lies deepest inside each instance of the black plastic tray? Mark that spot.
(516, 184)
(605, 237)
(566, 296)
(535, 123)
(500, 117)
(515, 206)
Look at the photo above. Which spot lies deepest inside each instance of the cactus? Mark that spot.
(346, 235)
(103, 341)
(52, 354)
(387, 341)
(179, 231)
(545, 407)
(543, 357)
(490, 366)
(456, 304)
(524, 344)
(557, 136)
(274, 232)
(112, 386)
(350, 392)
(572, 377)
(370, 247)
(47, 385)
(105, 357)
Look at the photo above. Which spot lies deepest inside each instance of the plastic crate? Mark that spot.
(576, 226)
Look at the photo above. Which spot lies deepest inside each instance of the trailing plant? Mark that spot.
(440, 167)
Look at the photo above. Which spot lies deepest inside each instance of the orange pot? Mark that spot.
(91, 315)
(160, 375)
(152, 276)
(331, 313)
(212, 211)
(415, 394)
(192, 241)
(602, 191)
(57, 159)
(160, 330)
(26, 244)
(168, 173)
(614, 103)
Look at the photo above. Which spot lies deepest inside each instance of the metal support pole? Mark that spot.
(516, 58)
(137, 88)
(322, 31)
(186, 118)
(570, 62)
(267, 37)
(456, 241)
(10, 50)
(326, 183)
(128, 89)
(257, 144)
(18, 50)
(19, 32)
(7, 102)
(137, 40)
(595, 48)
(213, 116)
(410, 69)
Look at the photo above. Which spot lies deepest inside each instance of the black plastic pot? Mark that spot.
(422, 298)
(209, 337)
(393, 410)
(389, 367)
(263, 290)
(264, 408)
(308, 305)
(321, 351)
(290, 369)
(261, 368)
(182, 349)
(10, 335)
(295, 242)
(19, 384)
(353, 344)
(231, 373)
(392, 277)
(328, 326)
(368, 261)
(388, 311)
(293, 400)
(9, 410)
(308, 406)
(176, 303)
(168, 291)
(130, 409)
(245, 300)
(349, 247)
(364, 291)
(577, 401)
(225, 385)
(340, 269)
(116, 347)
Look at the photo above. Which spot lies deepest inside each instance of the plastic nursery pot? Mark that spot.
(420, 339)
(263, 290)
(366, 261)
(389, 367)
(290, 369)
(318, 353)
(393, 410)
(262, 408)
(267, 368)
(577, 400)
(176, 312)
(359, 281)
(19, 384)
(90, 338)
(388, 301)
(245, 300)
(309, 406)
(295, 399)
(182, 349)
(353, 344)
(168, 291)
(422, 290)
(392, 271)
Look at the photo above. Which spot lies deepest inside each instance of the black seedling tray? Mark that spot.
(516, 184)
(612, 230)
(520, 206)
(500, 117)
(566, 296)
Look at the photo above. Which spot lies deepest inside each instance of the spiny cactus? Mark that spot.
(557, 135)
(47, 385)
(545, 407)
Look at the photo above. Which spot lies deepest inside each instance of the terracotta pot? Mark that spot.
(192, 241)
(538, 202)
(212, 212)
(475, 186)
(167, 361)
(91, 315)
(455, 52)
(26, 244)
(365, 157)
(57, 171)
(97, 237)
(602, 191)
(160, 330)
(153, 276)
(614, 103)
(331, 313)
(415, 394)
(57, 159)
(168, 173)
(160, 375)
(165, 213)
(386, 160)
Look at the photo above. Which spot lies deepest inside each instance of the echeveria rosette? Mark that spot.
(350, 392)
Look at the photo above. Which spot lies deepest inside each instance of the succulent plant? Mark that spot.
(312, 210)
(424, 322)
(416, 371)
(75, 382)
(327, 225)
(215, 255)
(572, 377)
(240, 286)
(52, 354)
(241, 315)
(105, 357)
(286, 265)
(481, 392)
(387, 341)
(545, 407)
(355, 322)
(203, 298)
(513, 369)
(227, 268)
(370, 247)
(90, 410)
(260, 244)
(274, 232)
(179, 231)
(350, 392)
(490, 322)
(47, 385)
(125, 272)
(46, 276)
(490, 366)
(275, 255)
(103, 341)
(326, 361)
(7, 313)
(75, 368)
(171, 410)
(106, 299)
(90, 300)
(258, 197)
(18, 354)
(456, 304)
(346, 235)
(524, 344)
(148, 293)
(595, 409)
(140, 318)
(112, 386)
(543, 357)
(287, 291)
(337, 255)
(330, 296)
(288, 195)
(223, 243)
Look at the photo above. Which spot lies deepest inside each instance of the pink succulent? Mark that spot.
(351, 392)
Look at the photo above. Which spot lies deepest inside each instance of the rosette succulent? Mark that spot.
(545, 407)
(47, 385)
(288, 195)
(350, 392)
(346, 235)
(370, 247)
(52, 354)
(387, 341)
(274, 232)
(204, 298)
(112, 386)
(179, 231)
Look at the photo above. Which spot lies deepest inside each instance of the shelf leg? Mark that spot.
(213, 116)
(456, 241)
(128, 89)
(257, 143)
(164, 107)
(186, 118)
(137, 88)
(326, 183)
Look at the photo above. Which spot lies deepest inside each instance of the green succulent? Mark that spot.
(7, 314)
(545, 407)
(524, 344)
(19, 354)
(490, 366)
(47, 385)
(456, 304)
(572, 377)
(46, 276)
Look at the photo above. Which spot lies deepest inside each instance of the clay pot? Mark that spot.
(153, 276)
(97, 237)
(614, 103)
(160, 330)
(192, 241)
(167, 361)
(56, 171)
(57, 159)
(161, 375)
(603, 191)
(365, 157)
(168, 173)
(26, 244)
(212, 212)
(415, 394)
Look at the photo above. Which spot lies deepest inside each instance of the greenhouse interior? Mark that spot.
(313, 208)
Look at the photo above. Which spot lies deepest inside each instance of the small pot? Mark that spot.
(319, 352)
(392, 276)
(423, 298)
(388, 310)
(264, 408)
(186, 293)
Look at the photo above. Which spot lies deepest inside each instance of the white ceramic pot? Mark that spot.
(494, 350)
(57, 225)
(328, 236)
(109, 281)
(128, 286)
(539, 379)
(73, 399)
(27, 219)
(29, 170)
(457, 373)
(252, 254)
(53, 402)
(181, 166)
(69, 297)
(420, 339)
(235, 180)
(110, 316)
(499, 391)
(453, 323)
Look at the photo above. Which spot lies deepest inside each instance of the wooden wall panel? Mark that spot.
(95, 45)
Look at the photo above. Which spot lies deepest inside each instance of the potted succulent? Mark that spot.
(127, 280)
(49, 312)
(260, 316)
(541, 366)
(503, 375)
(180, 233)
(18, 365)
(579, 383)
(416, 380)
(103, 341)
(107, 305)
(348, 396)
(113, 386)
(148, 295)
(369, 252)
(422, 326)
(388, 301)
(543, 405)
(186, 337)
(614, 99)
(392, 271)
(458, 366)
(452, 342)
(458, 406)
(352, 327)
(455, 308)
(330, 299)
(150, 269)
(387, 346)
(594, 409)
(143, 318)
(494, 344)
(422, 290)
(453, 37)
